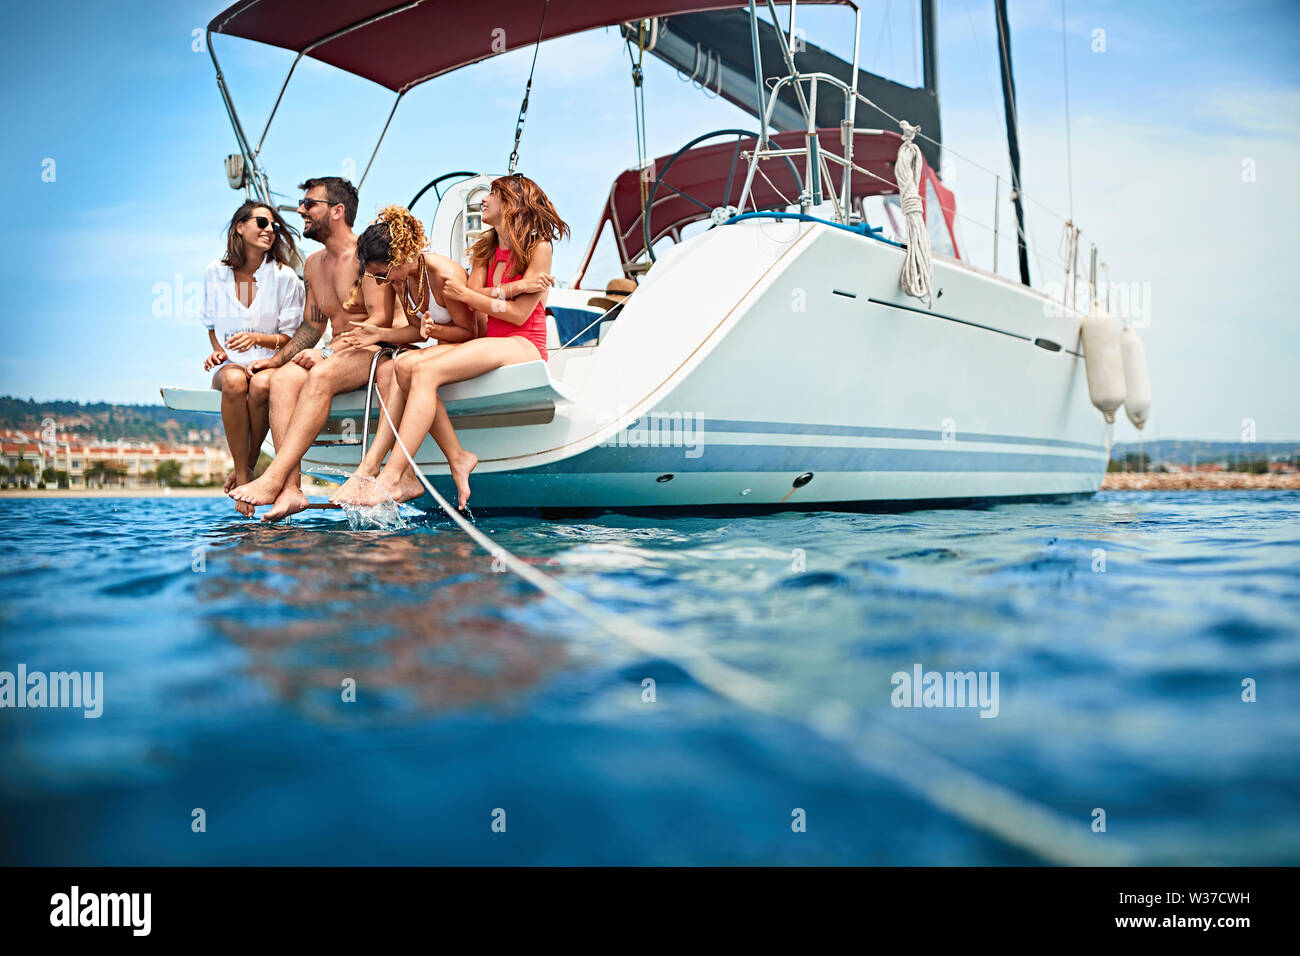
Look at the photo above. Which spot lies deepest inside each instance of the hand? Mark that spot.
(262, 365)
(531, 285)
(308, 358)
(455, 287)
(361, 334)
(241, 341)
(427, 327)
(212, 361)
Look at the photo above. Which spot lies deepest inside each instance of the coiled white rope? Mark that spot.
(978, 802)
(918, 269)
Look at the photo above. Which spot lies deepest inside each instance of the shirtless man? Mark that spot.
(306, 379)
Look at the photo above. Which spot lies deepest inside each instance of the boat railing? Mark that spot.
(807, 87)
(816, 192)
(817, 173)
(816, 155)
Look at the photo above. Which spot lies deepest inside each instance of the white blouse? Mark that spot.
(276, 308)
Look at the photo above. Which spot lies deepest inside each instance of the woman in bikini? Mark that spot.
(507, 293)
(391, 251)
(252, 304)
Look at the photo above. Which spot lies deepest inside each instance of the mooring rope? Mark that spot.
(978, 802)
(918, 269)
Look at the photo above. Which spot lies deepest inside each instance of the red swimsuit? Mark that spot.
(533, 328)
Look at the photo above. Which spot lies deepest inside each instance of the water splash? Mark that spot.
(385, 516)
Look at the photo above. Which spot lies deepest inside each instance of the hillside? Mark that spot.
(106, 422)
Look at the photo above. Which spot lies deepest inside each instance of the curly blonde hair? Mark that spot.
(395, 236)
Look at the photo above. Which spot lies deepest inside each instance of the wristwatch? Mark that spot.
(326, 351)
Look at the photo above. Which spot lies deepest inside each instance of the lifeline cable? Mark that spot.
(972, 799)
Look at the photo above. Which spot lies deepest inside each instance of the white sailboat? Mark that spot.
(770, 361)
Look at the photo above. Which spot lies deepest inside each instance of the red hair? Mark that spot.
(528, 218)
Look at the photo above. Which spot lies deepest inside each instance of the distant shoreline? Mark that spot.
(28, 493)
(1199, 481)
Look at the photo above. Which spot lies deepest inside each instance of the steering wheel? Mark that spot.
(433, 184)
(715, 212)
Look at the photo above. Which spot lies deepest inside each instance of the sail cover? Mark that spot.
(715, 48)
(398, 45)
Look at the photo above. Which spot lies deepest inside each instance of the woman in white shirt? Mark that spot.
(252, 304)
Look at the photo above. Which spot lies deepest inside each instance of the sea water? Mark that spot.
(317, 693)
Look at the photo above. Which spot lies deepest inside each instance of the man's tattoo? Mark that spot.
(308, 334)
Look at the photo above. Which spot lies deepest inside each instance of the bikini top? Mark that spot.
(437, 313)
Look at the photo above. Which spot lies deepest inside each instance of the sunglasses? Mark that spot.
(311, 202)
(381, 279)
(262, 222)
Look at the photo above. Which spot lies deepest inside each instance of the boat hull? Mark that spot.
(765, 365)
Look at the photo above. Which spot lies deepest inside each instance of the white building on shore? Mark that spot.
(108, 464)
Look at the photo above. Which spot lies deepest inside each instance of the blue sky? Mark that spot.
(1184, 97)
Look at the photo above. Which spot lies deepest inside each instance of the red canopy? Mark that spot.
(703, 172)
(398, 45)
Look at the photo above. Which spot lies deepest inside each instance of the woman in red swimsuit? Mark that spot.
(507, 292)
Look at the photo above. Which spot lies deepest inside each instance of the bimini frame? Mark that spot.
(255, 176)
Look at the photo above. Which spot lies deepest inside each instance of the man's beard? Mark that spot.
(317, 231)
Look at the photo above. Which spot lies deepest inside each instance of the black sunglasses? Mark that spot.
(263, 222)
(311, 202)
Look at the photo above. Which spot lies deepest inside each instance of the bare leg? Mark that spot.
(398, 378)
(422, 405)
(382, 443)
(342, 372)
(460, 461)
(362, 490)
(259, 411)
(286, 384)
(233, 381)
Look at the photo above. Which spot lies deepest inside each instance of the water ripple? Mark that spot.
(1126, 632)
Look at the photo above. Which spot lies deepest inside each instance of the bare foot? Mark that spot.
(350, 488)
(375, 493)
(233, 481)
(410, 487)
(262, 491)
(460, 469)
(289, 502)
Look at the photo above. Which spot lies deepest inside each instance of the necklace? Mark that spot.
(411, 307)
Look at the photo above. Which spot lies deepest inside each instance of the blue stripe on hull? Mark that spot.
(787, 458)
(869, 431)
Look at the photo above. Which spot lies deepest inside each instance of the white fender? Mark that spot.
(1103, 361)
(1137, 384)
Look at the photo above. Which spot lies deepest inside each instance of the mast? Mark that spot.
(1013, 133)
(929, 50)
